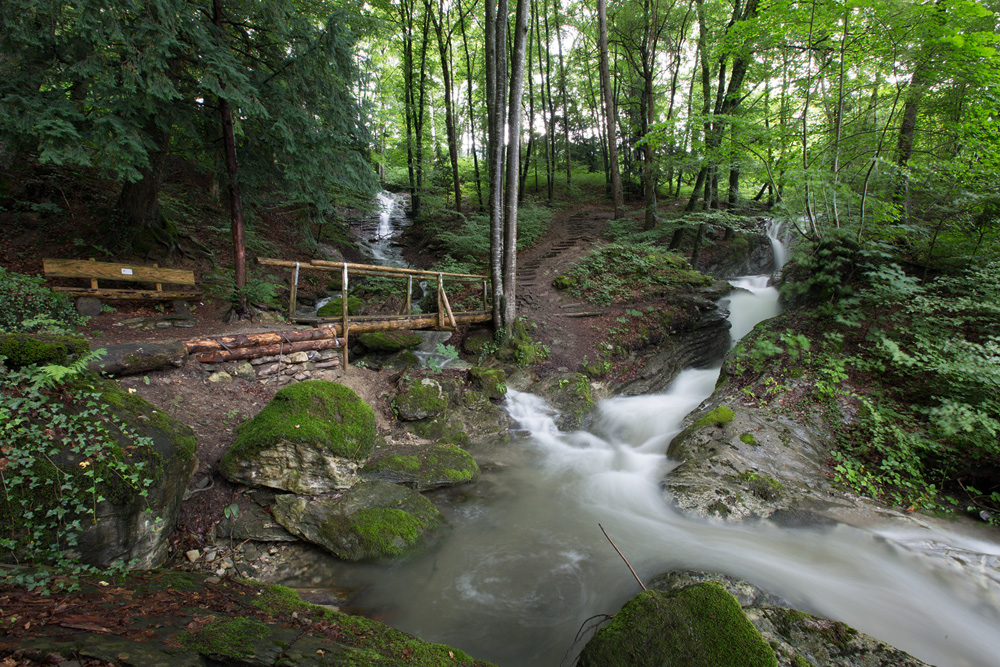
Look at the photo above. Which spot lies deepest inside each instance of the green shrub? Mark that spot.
(26, 305)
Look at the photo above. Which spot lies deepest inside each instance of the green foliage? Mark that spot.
(63, 453)
(26, 305)
(448, 352)
(619, 273)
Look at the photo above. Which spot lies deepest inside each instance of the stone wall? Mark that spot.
(283, 369)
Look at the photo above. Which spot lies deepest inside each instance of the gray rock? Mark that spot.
(424, 467)
(220, 377)
(89, 306)
(311, 438)
(245, 371)
(371, 521)
(420, 400)
(132, 358)
(797, 638)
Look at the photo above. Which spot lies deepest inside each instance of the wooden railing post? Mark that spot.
(440, 292)
(343, 298)
(293, 298)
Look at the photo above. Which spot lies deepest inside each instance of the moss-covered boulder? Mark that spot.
(797, 638)
(698, 626)
(371, 521)
(420, 399)
(571, 394)
(390, 341)
(124, 530)
(490, 381)
(311, 438)
(424, 468)
(476, 341)
(335, 307)
(25, 349)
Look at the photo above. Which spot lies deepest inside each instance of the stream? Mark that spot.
(524, 564)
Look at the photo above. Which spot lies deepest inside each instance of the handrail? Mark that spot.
(365, 269)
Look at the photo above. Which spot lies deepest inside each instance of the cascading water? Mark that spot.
(524, 564)
(776, 233)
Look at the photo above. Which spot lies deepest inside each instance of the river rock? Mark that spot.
(798, 639)
(423, 467)
(420, 399)
(744, 255)
(390, 341)
(311, 438)
(738, 463)
(700, 339)
(371, 521)
(697, 626)
(570, 394)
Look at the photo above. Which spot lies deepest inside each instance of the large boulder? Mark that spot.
(798, 639)
(390, 341)
(424, 468)
(311, 438)
(698, 626)
(371, 521)
(134, 520)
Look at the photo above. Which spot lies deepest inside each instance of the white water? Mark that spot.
(524, 564)
(776, 232)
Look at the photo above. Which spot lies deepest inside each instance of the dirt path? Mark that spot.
(573, 233)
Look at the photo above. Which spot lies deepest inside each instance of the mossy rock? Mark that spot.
(699, 626)
(564, 282)
(424, 468)
(570, 394)
(310, 438)
(476, 341)
(420, 400)
(371, 521)
(492, 382)
(718, 417)
(335, 307)
(27, 349)
(390, 341)
(443, 429)
(124, 529)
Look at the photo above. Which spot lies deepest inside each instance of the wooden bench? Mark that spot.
(134, 273)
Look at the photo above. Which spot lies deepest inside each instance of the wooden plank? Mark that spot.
(71, 268)
(149, 294)
(447, 309)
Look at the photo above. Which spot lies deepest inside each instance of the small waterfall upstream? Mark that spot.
(524, 565)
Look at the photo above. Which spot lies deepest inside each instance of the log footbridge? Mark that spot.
(332, 332)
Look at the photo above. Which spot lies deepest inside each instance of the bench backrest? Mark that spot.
(73, 268)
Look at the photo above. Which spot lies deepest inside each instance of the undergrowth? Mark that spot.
(908, 373)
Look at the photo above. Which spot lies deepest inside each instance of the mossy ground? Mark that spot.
(720, 416)
(315, 412)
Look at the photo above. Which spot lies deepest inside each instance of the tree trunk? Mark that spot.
(241, 309)
(138, 207)
(496, 97)
(617, 194)
(444, 46)
(472, 110)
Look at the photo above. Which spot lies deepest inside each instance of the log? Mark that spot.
(196, 345)
(369, 323)
(267, 350)
(364, 269)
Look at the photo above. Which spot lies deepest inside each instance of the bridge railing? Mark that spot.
(445, 318)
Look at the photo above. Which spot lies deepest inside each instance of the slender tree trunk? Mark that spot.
(241, 309)
(609, 111)
(496, 108)
(513, 164)
(565, 98)
(472, 109)
(444, 47)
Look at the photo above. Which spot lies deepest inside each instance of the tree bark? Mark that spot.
(241, 309)
(609, 110)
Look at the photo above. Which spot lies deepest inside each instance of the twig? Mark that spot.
(623, 556)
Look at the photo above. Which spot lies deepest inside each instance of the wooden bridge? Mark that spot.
(332, 332)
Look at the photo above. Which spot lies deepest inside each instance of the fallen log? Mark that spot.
(235, 354)
(196, 345)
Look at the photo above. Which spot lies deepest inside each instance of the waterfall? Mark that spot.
(776, 233)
